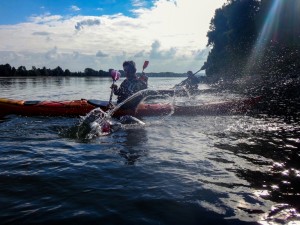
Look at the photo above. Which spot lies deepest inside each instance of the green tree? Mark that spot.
(5, 70)
(90, 72)
(67, 73)
(21, 71)
(58, 71)
(232, 34)
(254, 37)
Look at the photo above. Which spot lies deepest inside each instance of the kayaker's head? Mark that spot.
(129, 69)
(190, 73)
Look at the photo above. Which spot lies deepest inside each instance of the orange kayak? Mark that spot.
(83, 106)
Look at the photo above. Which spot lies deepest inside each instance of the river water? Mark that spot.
(241, 169)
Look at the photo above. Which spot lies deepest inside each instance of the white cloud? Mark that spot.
(140, 54)
(171, 34)
(157, 53)
(138, 3)
(41, 33)
(201, 54)
(52, 54)
(74, 8)
(46, 18)
(101, 54)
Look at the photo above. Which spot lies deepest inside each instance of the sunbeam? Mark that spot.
(268, 32)
(270, 27)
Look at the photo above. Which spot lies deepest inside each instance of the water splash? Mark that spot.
(180, 89)
(145, 93)
(96, 123)
(99, 123)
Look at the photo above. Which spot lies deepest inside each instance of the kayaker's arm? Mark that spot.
(115, 89)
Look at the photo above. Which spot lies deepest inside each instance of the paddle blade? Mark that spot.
(115, 75)
(145, 64)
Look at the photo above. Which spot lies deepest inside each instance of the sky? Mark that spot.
(102, 34)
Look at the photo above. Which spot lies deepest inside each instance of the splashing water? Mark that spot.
(271, 22)
(180, 89)
(96, 123)
(99, 123)
(144, 93)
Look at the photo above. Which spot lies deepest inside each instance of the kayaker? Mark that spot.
(190, 83)
(130, 85)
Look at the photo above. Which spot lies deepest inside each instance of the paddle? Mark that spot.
(182, 82)
(115, 75)
(202, 68)
(145, 65)
(143, 77)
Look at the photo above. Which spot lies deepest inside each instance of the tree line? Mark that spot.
(8, 71)
(254, 37)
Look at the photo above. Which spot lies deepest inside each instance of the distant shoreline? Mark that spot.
(7, 70)
(63, 76)
(148, 74)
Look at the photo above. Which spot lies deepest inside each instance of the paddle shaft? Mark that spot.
(193, 74)
(111, 93)
(197, 71)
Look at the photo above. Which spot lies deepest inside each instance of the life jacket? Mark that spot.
(127, 88)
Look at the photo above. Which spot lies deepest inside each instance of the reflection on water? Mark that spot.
(267, 151)
(55, 88)
(134, 140)
(23, 82)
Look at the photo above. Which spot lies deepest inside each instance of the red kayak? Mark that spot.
(83, 106)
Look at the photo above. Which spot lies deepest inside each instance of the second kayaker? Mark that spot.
(190, 83)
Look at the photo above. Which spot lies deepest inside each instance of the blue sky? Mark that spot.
(22, 10)
(101, 34)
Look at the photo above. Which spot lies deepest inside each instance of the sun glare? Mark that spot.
(268, 32)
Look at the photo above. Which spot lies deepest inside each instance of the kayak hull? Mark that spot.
(83, 106)
(74, 108)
